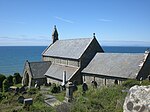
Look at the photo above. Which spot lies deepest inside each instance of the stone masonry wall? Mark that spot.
(70, 62)
(101, 81)
(90, 53)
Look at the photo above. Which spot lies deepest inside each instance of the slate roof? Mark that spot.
(122, 65)
(56, 71)
(70, 48)
(38, 69)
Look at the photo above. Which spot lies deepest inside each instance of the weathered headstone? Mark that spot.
(69, 92)
(84, 87)
(21, 99)
(37, 84)
(17, 90)
(138, 99)
(22, 89)
(28, 102)
(75, 88)
(94, 84)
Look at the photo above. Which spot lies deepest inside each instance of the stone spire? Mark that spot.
(54, 34)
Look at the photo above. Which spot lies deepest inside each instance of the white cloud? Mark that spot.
(24, 40)
(64, 20)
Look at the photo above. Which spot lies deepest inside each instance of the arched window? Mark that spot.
(26, 79)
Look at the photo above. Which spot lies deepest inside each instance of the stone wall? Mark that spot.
(90, 53)
(41, 81)
(101, 81)
(49, 80)
(27, 76)
(70, 62)
(76, 77)
(145, 70)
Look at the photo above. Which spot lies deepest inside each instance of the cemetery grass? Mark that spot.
(60, 96)
(103, 99)
(9, 102)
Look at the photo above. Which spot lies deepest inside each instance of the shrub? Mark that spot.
(130, 83)
(55, 89)
(32, 91)
(145, 83)
(39, 97)
(104, 99)
(5, 85)
(18, 78)
(14, 80)
(10, 80)
(1, 96)
(2, 78)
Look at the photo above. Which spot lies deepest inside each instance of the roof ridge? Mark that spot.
(75, 39)
(39, 61)
(46, 49)
(117, 53)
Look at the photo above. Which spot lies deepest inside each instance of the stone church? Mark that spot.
(84, 60)
(71, 56)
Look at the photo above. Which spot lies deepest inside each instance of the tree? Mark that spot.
(10, 80)
(14, 80)
(5, 85)
(2, 78)
(17, 77)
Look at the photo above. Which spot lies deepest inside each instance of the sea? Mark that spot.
(12, 58)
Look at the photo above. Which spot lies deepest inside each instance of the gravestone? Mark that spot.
(28, 102)
(69, 92)
(22, 89)
(75, 88)
(84, 87)
(94, 84)
(37, 85)
(21, 99)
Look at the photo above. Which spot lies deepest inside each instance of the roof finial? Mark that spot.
(94, 35)
(54, 26)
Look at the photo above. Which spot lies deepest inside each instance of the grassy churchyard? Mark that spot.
(101, 99)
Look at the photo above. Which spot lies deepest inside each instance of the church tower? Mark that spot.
(55, 35)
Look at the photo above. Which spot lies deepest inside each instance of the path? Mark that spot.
(51, 100)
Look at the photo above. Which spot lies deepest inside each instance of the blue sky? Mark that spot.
(115, 22)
